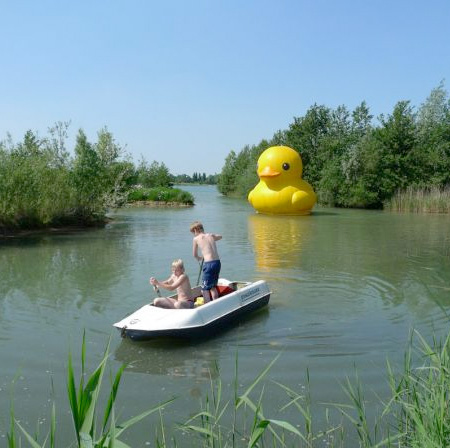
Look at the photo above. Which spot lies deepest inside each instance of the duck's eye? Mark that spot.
(286, 166)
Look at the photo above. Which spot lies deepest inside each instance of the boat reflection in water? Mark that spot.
(170, 357)
(279, 241)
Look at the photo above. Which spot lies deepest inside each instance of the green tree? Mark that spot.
(87, 176)
(56, 142)
(397, 139)
(361, 171)
(226, 182)
(432, 151)
(305, 135)
(160, 173)
(154, 175)
(361, 120)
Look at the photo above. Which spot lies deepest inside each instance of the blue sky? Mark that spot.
(186, 82)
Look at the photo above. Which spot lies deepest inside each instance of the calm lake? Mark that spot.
(348, 288)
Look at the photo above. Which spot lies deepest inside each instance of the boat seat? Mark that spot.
(224, 290)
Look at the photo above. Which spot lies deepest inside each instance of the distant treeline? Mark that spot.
(42, 185)
(352, 162)
(196, 178)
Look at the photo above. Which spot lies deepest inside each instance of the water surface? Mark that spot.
(348, 287)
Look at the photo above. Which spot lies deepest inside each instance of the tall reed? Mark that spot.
(84, 403)
(421, 396)
(417, 412)
(420, 200)
(243, 421)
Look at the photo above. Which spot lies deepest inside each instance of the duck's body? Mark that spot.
(291, 200)
(281, 189)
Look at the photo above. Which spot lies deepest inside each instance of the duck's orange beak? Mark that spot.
(268, 172)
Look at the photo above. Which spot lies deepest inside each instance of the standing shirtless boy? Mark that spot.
(179, 281)
(206, 242)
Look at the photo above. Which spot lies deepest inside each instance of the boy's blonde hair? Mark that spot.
(178, 264)
(196, 226)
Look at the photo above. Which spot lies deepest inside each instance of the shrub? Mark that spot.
(161, 194)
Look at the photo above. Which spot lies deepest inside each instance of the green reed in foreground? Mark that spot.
(420, 200)
(250, 426)
(421, 397)
(416, 413)
(83, 406)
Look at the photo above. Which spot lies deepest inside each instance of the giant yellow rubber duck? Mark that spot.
(281, 189)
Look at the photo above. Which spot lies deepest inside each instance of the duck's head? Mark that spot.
(279, 164)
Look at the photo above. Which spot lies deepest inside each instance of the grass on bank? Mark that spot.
(161, 194)
(415, 414)
(420, 200)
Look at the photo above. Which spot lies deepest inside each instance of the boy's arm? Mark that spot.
(167, 284)
(195, 250)
(176, 283)
(216, 236)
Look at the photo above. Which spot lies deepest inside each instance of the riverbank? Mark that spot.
(158, 204)
(30, 224)
(7, 233)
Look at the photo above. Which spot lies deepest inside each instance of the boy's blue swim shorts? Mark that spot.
(211, 270)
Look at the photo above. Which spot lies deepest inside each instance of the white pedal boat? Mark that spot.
(236, 299)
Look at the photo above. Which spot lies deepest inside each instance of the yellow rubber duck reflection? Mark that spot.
(278, 241)
(281, 189)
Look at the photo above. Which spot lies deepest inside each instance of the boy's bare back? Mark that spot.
(206, 242)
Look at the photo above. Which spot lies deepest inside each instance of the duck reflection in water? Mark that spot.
(278, 241)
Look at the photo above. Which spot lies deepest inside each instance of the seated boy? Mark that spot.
(179, 281)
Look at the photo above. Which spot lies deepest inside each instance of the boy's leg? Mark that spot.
(206, 288)
(184, 304)
(164, 302)
(206, 295)
(215, 278)
(214, 293)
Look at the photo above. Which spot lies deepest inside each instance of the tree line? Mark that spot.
(42, 184)
(353, 162)
(196, 178)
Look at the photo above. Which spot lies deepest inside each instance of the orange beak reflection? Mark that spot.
(268, 172)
